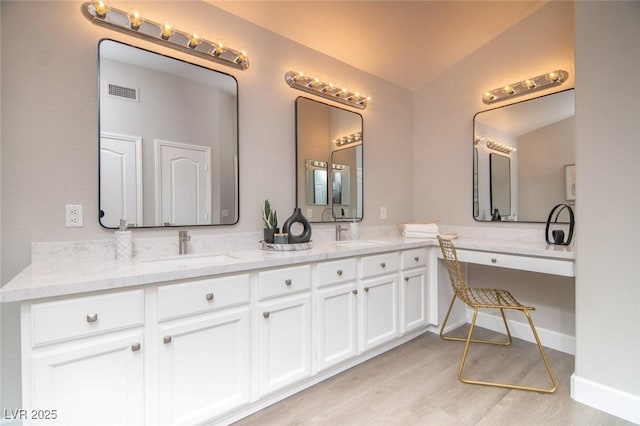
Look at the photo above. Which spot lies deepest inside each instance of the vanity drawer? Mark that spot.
(336, 272)
(193, 297)
(84, 316)
(283, 281)
(379, 264)
(562, 267)
(415, 258)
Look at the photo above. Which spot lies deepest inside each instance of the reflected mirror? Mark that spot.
(168, 140)
(519, 158)
(328, 162)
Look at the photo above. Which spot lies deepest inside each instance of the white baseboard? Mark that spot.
(607, 399)
(549, 338)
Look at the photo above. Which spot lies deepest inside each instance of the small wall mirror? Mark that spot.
(168, 140)
(328, 162)
(520, 158)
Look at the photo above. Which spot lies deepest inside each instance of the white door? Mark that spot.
(204, 365)
(183, 184)
(337, 325)
(413, 290)
(96, 381)
(120, 179)
(285, 342)
(379, 311)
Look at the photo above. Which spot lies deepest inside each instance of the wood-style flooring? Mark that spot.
(417, 384)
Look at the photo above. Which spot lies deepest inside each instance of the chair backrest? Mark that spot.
(453, 267)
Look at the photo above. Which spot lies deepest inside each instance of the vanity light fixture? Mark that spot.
(316, 163)
(134, 23)
(550, 79)
(349, 139)
(299, 81)
(497, 146)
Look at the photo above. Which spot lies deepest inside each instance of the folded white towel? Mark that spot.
(410, 234)
(420, 227)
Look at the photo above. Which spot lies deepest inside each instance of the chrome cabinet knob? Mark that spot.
(417, 259)
(339, 272)
(366, 289)
(354, 291)
(265, 314)
(383, 265)
(287, 282)
(92, 318)
(167, 339)
(209, 297)
(406, 279)
(135, 347)
(494, 260)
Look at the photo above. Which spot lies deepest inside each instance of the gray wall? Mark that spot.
(607, 174)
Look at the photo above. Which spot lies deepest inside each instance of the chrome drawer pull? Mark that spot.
(92, 318)
(417, 259)
(167, 339)
(354, 291)
(135, 347)
(287, 282)
(339, 272)
(366, 289)
(265, 314)
(209, 296)
(406, 279)
(383, 265)
(494, 260)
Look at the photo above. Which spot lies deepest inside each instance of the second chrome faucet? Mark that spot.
(183, 238)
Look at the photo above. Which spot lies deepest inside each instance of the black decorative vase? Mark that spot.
(297, 217)
(269, 234)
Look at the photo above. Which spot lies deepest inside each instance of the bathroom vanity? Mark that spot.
(215, 337)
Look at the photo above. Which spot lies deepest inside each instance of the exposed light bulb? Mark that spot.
(488, 97)
(508, 90)
(194, 39)
(167, 30)
(219, 49)
(136, 18)
(553, 76)
(100, 7)
(530, 84)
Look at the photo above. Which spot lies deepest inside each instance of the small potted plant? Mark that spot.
(270, 219)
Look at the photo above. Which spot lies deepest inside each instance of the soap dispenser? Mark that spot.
(354, 232)
(123, 242)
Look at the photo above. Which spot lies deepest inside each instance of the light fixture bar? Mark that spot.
(544, 81)
(299, 81)
(349, 139)
(497, 146)
(132, 23)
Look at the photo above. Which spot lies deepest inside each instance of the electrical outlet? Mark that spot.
(73, 216)
(383, 212)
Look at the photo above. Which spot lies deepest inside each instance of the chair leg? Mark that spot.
(506, 385)
(460, 339)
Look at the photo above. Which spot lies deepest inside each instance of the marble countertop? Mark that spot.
(66, 275)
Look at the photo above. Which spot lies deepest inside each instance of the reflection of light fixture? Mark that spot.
(316, 163)
(550, 79)
(338, 166)
(299, 81)
(497, 146)
(133, 23)
(352, 138)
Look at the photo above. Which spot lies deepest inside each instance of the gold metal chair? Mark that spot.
(489, 298)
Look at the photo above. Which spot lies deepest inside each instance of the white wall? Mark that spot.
(607, 371)
(443, 139)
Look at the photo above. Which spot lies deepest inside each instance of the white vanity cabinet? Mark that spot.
(284, 327)
(413, 289)
(83, 358)
(204, 341)
(336, 321)
(378, 291)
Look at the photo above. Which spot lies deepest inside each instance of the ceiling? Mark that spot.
(405, 42)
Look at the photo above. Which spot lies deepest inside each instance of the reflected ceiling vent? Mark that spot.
(122, 92)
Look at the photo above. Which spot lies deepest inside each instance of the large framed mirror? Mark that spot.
(168, 140)
(520, 156)
(329, 169)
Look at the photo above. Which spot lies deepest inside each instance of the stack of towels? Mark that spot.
(420, 230)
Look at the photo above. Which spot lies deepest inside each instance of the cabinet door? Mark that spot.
(204, 365)
(413, 300)
(379, 313)
(284, 351)
(96, 381)
(336, 325)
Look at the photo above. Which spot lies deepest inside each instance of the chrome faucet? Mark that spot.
(339, 229)
(183, 237)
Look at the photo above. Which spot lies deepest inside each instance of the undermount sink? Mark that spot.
(194, 258)
(356, 243)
